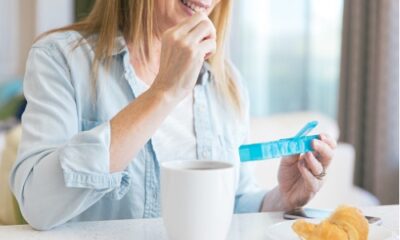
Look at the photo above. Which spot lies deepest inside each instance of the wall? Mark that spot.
(20, 22)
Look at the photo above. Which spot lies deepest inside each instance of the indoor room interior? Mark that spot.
(334, 62)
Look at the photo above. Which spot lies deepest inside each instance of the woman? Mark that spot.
(137, 83)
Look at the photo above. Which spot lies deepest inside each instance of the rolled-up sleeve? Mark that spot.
(85, 162)
(60, 170)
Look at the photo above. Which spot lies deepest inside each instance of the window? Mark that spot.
(289, 53)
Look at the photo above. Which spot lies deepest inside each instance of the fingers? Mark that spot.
(328, 140)
(313, 164)
(196, 36)
(311, 183)
(186, 26)
(324, 151)
(290, 160)
(204, 30)
(208, 47)
(208, 55)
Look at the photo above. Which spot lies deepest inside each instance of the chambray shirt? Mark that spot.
(62, 170)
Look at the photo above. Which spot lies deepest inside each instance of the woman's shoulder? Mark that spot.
(51, 39)
(61, 41)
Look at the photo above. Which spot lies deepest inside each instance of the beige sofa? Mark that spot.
(9, 210)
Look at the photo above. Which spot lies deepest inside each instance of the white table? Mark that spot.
(244, 226)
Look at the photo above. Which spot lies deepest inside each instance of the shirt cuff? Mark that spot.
(249, 202)
(85, 163)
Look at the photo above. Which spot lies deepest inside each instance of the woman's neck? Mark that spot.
(146, 70)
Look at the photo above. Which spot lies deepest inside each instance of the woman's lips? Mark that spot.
(195, 6)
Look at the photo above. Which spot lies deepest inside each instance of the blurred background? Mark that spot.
(289, 52)
(332, 61)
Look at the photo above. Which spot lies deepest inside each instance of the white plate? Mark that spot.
(283, 230)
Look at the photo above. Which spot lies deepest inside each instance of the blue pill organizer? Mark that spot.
(283, 147)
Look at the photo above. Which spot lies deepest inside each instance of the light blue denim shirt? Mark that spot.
(62, 171)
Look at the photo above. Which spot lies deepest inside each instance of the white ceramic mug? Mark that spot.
(197, 199)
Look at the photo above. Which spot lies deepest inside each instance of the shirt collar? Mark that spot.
(120, 45)
(205, 74)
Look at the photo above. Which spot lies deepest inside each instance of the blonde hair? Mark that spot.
(134, 20)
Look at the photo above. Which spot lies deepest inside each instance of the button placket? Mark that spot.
(148, 184)
(152, 186)
(202, 121)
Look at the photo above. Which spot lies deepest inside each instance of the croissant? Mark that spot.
(345, 223)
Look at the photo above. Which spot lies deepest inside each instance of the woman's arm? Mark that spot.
(133, 126)
(61, 171)
(183, 51)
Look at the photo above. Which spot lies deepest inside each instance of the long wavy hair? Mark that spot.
(134, 19)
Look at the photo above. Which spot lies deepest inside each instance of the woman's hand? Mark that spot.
(183, 51)
(301, 176)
